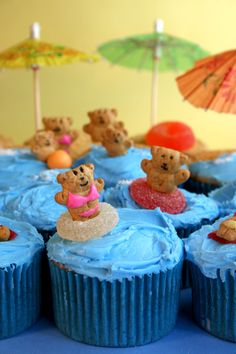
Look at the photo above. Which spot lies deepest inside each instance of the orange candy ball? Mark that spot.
(59, 159)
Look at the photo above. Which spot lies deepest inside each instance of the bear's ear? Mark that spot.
(70, 120)
(114, 111)
(125, 132)
(45, 120)
(90, 165)
(61, 178)
(183, 159)
(90, 114)
(154, 150)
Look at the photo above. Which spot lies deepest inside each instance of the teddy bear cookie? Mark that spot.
(101, 119)
(164, 174)
(116, 141)
(61, 127)
(226, 232)
(6, 234)
(86, 217)
(43, 144)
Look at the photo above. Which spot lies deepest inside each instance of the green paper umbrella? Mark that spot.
(157, 51)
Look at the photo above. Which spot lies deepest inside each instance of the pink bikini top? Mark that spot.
(76, 200)
(65, 139)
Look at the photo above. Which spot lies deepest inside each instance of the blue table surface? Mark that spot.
(186, 338)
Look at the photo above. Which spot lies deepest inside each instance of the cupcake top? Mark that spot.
(198, 206)
(141, 243)
(210, 255)
(220, 170)
(33, 201)
(225, 197)
(22, 248)
(114, 169)
(16, 166)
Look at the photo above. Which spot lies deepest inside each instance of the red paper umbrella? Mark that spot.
(211, 84)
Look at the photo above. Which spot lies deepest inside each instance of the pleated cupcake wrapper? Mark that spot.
(184, 233)
(118, 313)
(46, 234)
(214, 303)
(198, 187)
(20, 296)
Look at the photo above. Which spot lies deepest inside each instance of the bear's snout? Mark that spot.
(164, 166)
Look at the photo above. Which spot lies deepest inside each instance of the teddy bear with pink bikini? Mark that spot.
(86, 217)
(80, 192)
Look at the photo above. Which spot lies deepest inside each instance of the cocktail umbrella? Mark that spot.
(211, 83)
(157, 51)
(33, 53)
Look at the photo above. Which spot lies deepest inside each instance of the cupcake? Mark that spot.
(225, 197)
(21, 249)
(209, 175)
(211, 252)
(123, 282)
(187, 211)
(116, 159)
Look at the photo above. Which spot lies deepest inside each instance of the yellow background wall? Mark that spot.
(75, 89)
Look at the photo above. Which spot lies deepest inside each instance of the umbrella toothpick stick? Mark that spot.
(35, 34)
(37, 100)
(159, 26)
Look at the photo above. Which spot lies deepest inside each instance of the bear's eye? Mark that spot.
(81, 169)
(163, 156)
(171, 157)
(75, 172)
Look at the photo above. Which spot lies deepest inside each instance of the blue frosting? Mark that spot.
(225, 197)
(198, 207)
(21, 249)
(141, 243)
(17, 166)
(114, 169)
(220, 170)
(35, 205)
(209, 255)
(34, 202)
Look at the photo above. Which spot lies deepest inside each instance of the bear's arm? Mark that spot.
(87, 128)
(129, 143)
(99, 184)
(146, 165)
(181, 176)
(74, 134)
(62, 197)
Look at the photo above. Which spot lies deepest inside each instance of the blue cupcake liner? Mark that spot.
(118, 313)
(186, 281)
(20, 296)
(184, 232)
(214, 303)
(46, 234)
(198, 187)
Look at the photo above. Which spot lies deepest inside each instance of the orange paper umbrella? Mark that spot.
(33, 53)
(211, 84)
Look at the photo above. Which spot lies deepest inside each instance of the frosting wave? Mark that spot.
(35, 205)
(17, 166)
(114, 169)
(21, 249)
(221, 170)
(225, 197)
(209, 255)
(141, 243)
(198, 207)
